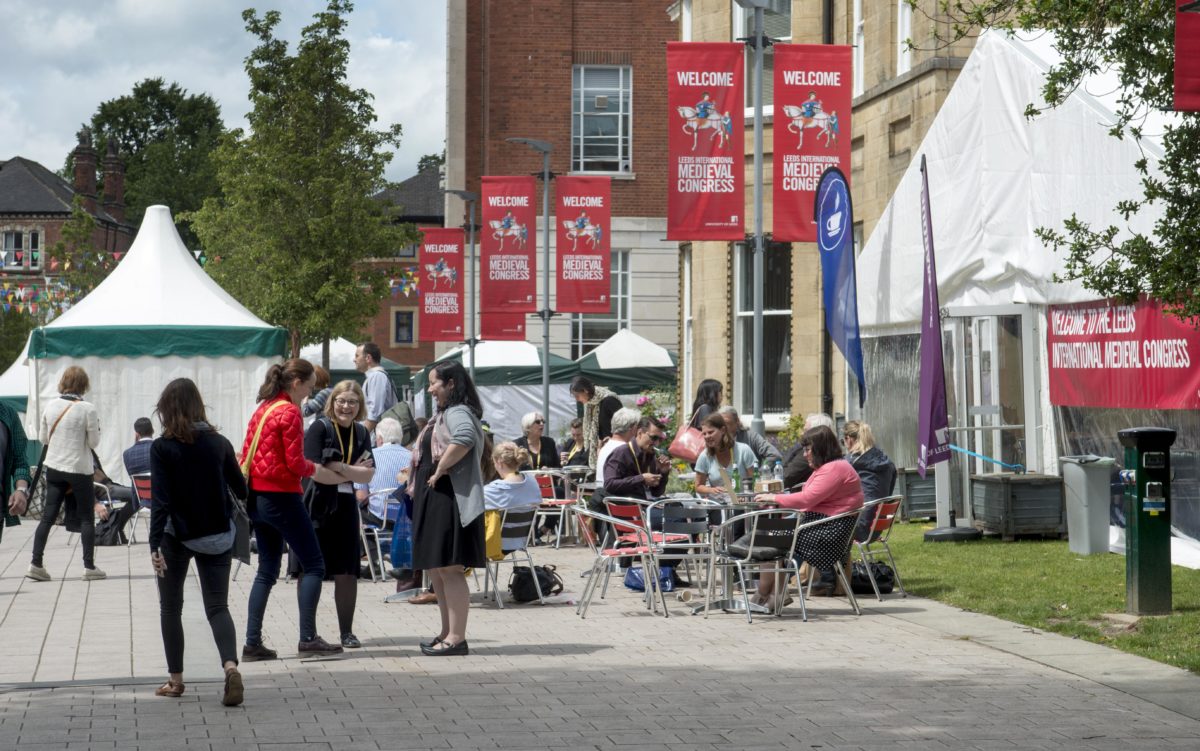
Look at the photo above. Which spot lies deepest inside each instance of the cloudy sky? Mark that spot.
(62, 58)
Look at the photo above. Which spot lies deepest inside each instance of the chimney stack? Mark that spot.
(85, 170)
(114, 183)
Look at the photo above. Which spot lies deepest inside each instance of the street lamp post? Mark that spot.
(545, 313)
(756, 421)
(471, 199)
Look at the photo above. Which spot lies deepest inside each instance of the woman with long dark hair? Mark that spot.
(707, 401)
(721, 454)
(70, 430)
(274, 447)
(191, 517)
(447, 492)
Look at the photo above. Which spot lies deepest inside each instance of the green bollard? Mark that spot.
(1147, 479)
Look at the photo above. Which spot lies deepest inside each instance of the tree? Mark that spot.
(166, 137)
(79, 264)
(1135, 38)
(431, 162)
(295, 221)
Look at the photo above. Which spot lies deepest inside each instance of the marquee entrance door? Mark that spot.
(992, 394)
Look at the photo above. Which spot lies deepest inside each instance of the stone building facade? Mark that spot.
(898, 91)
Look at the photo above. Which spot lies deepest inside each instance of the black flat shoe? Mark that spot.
(454, 650)
(431, 643)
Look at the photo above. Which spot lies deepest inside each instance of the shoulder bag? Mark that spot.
(688, 442)
(37, 473)
(248, 459)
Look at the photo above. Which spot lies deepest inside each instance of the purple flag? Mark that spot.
(933, 435)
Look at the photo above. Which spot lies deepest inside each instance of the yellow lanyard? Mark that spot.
(636, 463)
(537, 457)
(574, 451)
(345, 457)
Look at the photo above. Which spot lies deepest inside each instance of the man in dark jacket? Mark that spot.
(764, 450)
(639, 472)
(795, 466)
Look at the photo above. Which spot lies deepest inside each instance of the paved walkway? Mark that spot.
(81, 661)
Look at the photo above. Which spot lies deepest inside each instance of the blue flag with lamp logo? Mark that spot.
(835, 240)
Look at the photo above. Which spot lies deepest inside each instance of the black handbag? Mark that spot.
(521, 586)
(860, 581)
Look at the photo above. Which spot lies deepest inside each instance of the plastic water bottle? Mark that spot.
(777, 474)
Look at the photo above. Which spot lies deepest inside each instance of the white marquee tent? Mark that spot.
(995, 176)
(157, 317)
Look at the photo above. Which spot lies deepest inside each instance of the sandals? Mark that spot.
(173, 690)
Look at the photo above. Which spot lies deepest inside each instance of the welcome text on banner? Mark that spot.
(706, 162)
(1104, 354)
(508, 257)
(440, 316)
(584, 243)
(813, 91)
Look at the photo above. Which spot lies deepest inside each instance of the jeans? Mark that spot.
(279, 518)
(83, 496)
(213, 571)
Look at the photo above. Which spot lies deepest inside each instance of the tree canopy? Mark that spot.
(1134, 39)
(166, 137)
(295, 222)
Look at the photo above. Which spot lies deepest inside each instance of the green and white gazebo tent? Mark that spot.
(628, 363)
(508, 376)
(14, 382)
(157, 317)
(341, 364)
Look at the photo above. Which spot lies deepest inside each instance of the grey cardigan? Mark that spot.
(465, 476)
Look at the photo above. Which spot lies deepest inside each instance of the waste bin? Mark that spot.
(1087, 494)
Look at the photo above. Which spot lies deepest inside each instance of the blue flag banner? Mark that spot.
(835, 239)
(933, 435)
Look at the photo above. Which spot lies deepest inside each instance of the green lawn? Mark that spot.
(1040, 583)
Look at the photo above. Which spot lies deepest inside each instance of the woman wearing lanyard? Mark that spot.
(543, 454)
(334, 509)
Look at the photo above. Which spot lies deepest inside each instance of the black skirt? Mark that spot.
(339, 538)
(439, 539)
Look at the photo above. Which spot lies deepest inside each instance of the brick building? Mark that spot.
(417, 200)
(35, 203)
(897, 93)
(587, 76)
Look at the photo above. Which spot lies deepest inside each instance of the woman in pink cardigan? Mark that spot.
(833, 488)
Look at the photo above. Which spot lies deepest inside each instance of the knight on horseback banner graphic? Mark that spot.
(813, 91)
(440, 315)
(507, 248)
(705, 141)
(584, 214)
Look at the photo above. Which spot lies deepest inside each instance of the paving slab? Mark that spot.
(83, 658)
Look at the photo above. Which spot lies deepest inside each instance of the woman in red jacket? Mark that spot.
(275, 445)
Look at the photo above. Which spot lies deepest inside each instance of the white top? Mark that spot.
(602, 456)
(76, 435)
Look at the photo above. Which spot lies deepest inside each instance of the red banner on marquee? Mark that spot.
(502, 327)
(706, 163)
(440, 317)
(813, 92)
(1122, 356)
(1187, 59)
(507, 246)
(584, 243)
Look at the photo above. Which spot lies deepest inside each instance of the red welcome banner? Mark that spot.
(1122, 356)
(507, 248)
(813, 92)
(502, 327)
(1187, 59)
(584, 243)
(706, 158)
(440, 317)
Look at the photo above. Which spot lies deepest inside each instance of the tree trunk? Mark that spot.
(294, 335)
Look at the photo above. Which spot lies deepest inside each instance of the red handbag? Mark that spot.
(688, 442)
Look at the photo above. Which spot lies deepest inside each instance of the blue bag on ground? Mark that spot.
(635, 579)
(402, 541)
